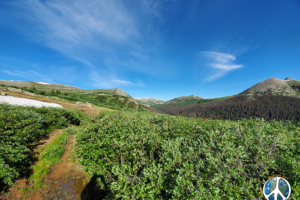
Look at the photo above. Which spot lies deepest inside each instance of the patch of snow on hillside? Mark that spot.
(27, 102)
(43, 83)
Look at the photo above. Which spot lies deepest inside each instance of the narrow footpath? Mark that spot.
(66, 179)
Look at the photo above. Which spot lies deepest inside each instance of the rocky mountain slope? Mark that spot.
(148, 101)
(63, 88)
(274, 86)
(38, 85)
(183, 99)
(288, 87)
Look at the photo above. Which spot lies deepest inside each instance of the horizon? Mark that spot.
(158, 49)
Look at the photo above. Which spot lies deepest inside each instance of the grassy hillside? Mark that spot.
(148, 101)
(288, 87)
(48, 87)
(105, 98)
(184, 101)
(273, 86)
(295, 84)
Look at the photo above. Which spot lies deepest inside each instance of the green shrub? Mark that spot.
(50, 155)
(162, 157)
(19, 126)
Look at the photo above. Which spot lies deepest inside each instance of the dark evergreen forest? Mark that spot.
(269, 107)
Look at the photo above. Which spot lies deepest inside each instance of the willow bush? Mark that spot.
(152, 156)
(20, 126)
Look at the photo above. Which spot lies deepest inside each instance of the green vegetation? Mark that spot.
(107, 99)
(62, 88)
(181, 102)
(148, 101)
(50, 155)
(295, 84)
(136, 154)
(154, 156)
(21, 126)
(274, 86)
(268, 107)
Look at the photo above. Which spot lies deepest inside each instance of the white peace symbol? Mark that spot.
(277, 192)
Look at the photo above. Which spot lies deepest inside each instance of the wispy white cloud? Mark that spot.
(75, 27)
(107, 35)
(35, 71)
(89, 30)
(28, 74)
(107, 80)
(222, 63)
(122, 82)
(12, 73)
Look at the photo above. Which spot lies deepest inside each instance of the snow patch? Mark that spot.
(27, 102)
(44, 83)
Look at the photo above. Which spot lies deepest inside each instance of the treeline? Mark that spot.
(185, 102)
(280, 108)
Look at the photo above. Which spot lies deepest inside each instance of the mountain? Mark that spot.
(274, 86)
(183, 99)
(148, 101)
(38, 85)
(63, 88)
(179, 102)
(269, 107)
(115, 91)
(295, 84)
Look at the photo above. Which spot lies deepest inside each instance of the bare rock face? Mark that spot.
(3, 93)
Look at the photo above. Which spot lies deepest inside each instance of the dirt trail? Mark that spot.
(66, 180)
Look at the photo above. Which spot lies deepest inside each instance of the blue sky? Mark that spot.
(151, 48)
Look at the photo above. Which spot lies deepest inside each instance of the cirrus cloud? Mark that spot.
(222, 63)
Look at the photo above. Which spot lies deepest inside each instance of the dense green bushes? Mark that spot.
(19, 126)
(163, 157)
